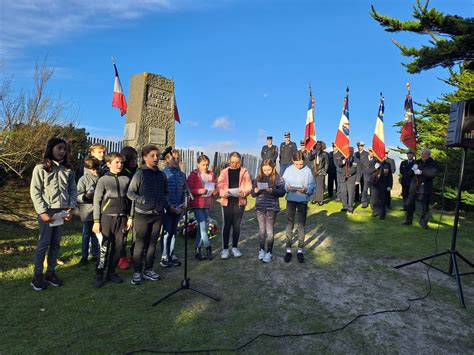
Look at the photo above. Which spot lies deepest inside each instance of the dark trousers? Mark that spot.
(295, 216)
(405, 191)
(358, 192)
(111, 228)
(332, 181)
(283, 167)
(170, 227)
(266, 221)
(364, 186)
(147, 229)
(232, 217)
(89, 238)
(48, 242)
(378, 200)
(425, 204)
(347, 189)
(388, 198)
(319, 193)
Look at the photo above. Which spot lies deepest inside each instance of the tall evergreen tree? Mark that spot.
(451, 39)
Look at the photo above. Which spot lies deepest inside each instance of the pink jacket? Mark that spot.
(245, 185)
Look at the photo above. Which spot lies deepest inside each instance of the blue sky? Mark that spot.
(241, 67)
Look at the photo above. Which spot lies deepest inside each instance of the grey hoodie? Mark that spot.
(86, 183)
(53, 190)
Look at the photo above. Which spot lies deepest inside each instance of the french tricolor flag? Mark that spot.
(310, 132)
(408, 133)
(175, 109)
(378, 142)
(342, 136)
(118, 100)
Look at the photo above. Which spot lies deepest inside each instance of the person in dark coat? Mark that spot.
(363, 156)
(421, 187)
(393, 168)
(406, 176)
(381, 182)
(287, 149)
(269, 151)
(320, 167)
(332, 173)
(305, 154)
(347, 178)
(337, 159)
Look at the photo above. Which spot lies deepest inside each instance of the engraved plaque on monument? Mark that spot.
(150, 114)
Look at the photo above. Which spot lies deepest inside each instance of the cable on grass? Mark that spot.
(353, 320)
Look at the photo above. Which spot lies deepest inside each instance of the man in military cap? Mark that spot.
(287, 149)
(406, 176)
(332, 172)
(305, 153)
(393, 168)
(269, 151)
(363, 156)
(348, 176)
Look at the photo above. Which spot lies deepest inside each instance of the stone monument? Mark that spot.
(150, 113)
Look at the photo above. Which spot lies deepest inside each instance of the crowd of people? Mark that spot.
(116, 197)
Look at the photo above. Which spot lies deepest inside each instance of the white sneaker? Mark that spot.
(268, 257)
(225, 254)
(236, 252)
(261, 254)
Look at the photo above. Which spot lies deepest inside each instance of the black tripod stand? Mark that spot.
(452, 252)
(185, 285)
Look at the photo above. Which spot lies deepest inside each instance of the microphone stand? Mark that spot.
(185, 283)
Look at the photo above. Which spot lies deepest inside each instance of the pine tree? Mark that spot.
(452, 39)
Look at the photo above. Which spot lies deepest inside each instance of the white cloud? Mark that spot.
(38, 22)
(222, 122)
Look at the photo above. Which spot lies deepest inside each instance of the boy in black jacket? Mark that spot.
(111, 211)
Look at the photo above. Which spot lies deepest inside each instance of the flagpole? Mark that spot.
(113, 60)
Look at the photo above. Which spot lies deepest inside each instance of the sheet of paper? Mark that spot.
(58, 219)
(234, 192)
(100, 238)
(262, 185)
(209, 186)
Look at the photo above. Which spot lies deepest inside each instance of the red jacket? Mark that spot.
(195, 183)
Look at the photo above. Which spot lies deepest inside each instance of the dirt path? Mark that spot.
(346, 285)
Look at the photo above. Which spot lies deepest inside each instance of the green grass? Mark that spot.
(348, 270)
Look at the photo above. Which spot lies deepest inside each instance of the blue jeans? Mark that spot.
(202, 214)
(170, 226)
(89, 237)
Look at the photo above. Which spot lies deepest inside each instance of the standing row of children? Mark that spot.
(115, 197)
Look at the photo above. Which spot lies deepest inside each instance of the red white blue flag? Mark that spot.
(310, 131)
(342, 142)
(408, 133)
(118, 99)
(176, 113)
(378, 142)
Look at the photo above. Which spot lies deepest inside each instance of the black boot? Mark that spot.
(209, 253)
(199, 255)
(408, 218)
